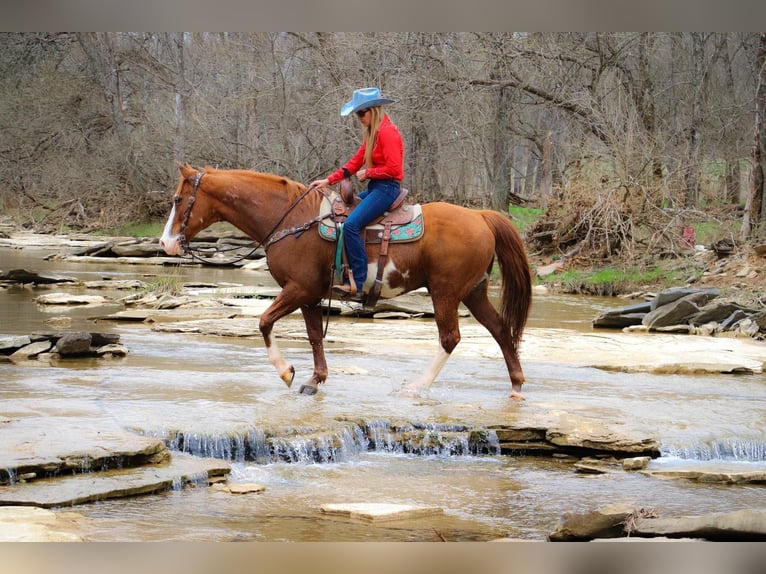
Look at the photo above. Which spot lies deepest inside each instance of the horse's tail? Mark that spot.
(516, 275)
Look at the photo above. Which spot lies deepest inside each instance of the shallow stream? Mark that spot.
(215, 385)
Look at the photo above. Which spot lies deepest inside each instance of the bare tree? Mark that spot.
(754, 206)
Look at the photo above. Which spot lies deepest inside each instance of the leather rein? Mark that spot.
(271, 237)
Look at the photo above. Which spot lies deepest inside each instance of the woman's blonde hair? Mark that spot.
(376, 116)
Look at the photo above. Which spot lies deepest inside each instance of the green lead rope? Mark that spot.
(339, 253)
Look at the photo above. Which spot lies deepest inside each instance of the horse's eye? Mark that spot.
(177, 199)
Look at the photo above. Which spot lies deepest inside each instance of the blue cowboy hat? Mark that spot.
(364, 98)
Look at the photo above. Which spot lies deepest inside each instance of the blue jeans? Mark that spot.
(376, 199)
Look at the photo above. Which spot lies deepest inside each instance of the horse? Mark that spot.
(452, 260)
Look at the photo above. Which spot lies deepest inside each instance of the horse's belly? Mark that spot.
(394, 280)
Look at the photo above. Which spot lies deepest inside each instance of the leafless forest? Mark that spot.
(623, 138)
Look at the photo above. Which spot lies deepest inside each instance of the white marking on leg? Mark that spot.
(276, 359)
(427, 378)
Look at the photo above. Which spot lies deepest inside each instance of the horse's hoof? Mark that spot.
(289, 377)
(412, 392)
(517, 396)
(307, 390)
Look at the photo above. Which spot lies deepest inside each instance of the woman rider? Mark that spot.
(380, 161)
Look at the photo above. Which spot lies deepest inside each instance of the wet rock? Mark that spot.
(119, 483)
(685, 311)
(24, 276)
(30, 351)
(741, 526)
(99, 339)
(635, 463)
(73, 344)
(111, 350)
(61, 345)
(31, 524)
(671, 314)
(9, 343)
(710, 472)
(70, 299)
(583, 436)
(598, 465)
(718, 312)
(123, 284)
(59, 445)
(379, 512)
(143, 248)
(669, 295)
(244, 488)
(606, 522)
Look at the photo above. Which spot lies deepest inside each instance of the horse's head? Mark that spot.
(188, 215)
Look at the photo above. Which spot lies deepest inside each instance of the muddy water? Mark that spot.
(208, 386)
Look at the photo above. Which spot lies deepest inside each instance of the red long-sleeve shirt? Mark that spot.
(387, 156)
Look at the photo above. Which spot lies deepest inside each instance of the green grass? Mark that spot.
(169, 284)
(135, 229)
(524, 217)
(611, 281)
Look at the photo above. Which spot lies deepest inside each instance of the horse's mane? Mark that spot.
(269, 179)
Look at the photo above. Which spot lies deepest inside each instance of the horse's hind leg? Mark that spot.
(312, 315)
(485, 313)
(446, 317)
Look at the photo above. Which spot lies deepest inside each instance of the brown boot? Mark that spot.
(348, 293)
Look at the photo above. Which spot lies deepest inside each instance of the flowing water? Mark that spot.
(196, 391)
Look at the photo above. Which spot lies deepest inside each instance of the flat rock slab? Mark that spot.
(88, 487)
(43, 445)
(379, 511)
(171, 315)
(740, 526)
(710, 471)
(30, 524)
(70, 299)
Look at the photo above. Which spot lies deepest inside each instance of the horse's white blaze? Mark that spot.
(170, 242)
(385, 290)
(276, 359)
(427, 378)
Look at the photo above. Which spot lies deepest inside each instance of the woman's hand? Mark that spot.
(319, 183)
(361, 175)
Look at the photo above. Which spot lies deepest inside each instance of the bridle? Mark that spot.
(270, 239)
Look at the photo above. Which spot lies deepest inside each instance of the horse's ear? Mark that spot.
(187, 171)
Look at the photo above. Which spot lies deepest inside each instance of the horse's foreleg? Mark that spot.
(484, 312)
(278, 309)
(312, 315)
(449, 337)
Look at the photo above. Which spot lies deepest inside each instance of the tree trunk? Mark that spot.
(501, 152)
(176, 42)
(546, 166)
(753, 216)
(694, 138)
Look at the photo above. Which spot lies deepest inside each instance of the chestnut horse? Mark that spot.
(452, 260)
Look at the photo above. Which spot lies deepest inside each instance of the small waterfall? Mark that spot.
(727, 449)
(306, 445)
(196, 479)
(11, 476)
(431, 439)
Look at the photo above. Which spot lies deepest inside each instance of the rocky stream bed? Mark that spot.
(49, 464)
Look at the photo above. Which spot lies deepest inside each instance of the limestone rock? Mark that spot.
(379, 512)
(606, 522)
(740, 526)
(74, 343)
(30, 524)
(30, 351)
